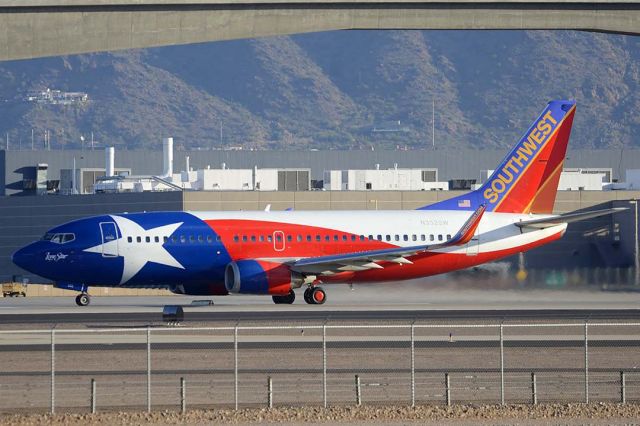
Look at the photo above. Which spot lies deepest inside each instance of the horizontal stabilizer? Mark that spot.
(548, 222)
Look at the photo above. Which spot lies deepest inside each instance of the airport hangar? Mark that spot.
(607, 243)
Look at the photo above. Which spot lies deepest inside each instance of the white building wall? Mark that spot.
(266, 180)
(575, 181)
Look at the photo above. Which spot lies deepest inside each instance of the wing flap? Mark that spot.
(567, 218)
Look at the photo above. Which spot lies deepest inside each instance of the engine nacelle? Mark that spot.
(260, 277)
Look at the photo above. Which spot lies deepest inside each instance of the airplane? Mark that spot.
(274, 253)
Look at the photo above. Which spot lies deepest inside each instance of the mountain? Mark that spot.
(334, 90)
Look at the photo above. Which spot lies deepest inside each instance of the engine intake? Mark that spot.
(260, 277)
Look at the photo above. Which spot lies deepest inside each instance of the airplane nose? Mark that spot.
(23, 257)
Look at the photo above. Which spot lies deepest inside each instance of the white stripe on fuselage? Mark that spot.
(495, 232)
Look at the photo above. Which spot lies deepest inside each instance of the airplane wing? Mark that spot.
(566, 218)
(361, 261)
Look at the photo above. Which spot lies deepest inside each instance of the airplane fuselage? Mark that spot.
(189, 251)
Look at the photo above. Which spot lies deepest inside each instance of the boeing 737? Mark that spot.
(273, 253)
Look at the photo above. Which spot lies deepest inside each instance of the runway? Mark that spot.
(364, 303)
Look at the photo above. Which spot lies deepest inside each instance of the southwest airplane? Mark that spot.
(273, 253)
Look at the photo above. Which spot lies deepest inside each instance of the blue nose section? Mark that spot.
(24, 258)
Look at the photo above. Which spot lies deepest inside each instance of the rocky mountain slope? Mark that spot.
(335, 90)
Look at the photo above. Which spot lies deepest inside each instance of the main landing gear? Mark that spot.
(287, 299)
(315, 296)
(83, 299)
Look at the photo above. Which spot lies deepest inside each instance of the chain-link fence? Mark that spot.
(323, 365)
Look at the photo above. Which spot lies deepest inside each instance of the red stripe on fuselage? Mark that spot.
(257, 244)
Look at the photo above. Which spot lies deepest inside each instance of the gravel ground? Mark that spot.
(566, 414)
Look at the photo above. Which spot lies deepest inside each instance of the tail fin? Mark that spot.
(527, 179)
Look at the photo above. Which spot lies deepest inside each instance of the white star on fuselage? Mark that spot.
(137, 254)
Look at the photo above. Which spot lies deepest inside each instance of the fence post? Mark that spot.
(235, 366)
(501, 365)
(358, 395)
(148, 368)
(183, 395)
(93, 396)
(324, 365)
(447, 385)
(623, 388)
(413, 368)
(534, 389)
(269, 392)
(53, 370)
(586, 362)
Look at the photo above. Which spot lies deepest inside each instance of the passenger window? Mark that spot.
(209, 239)
(336, 238)
(344, 237)
(309, 238)
(414, 237)
(439, 237)
(269, 238)
(388, 237)
(423, 237)
(361, 237)
(448, 236)
(200, 238)
(289, 238)
(156, 239)
(405, 237)
(192, 239)
(166, 239)
(353, 238)
(139, 239)
(327, 238)
(174, 239)
(379, 237)
(370, 237)
(397, 237)
(318, 238)
(299, 238)
(129, 239)
(235, 239)
(253, 238)
(147, 239)
(244, 238)
(261, 238)
(431, 237)
(183, 239)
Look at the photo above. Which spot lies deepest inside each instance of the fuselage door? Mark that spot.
(109, 239)
(278, 240)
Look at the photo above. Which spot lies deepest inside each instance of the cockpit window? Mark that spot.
(59, 238)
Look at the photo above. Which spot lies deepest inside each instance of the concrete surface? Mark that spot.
(36, 28)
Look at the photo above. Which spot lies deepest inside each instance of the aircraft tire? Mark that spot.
(83, 299)
(307, 296)
(287, 299)
(318, 296)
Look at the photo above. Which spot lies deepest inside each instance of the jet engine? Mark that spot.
(260, 277)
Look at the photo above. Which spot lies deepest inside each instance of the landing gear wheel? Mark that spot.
(307, 295)
(83, 299)
(318, 296)
(287, 299)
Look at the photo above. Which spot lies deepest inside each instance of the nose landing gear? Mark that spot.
(315, 296)
(83, 299)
